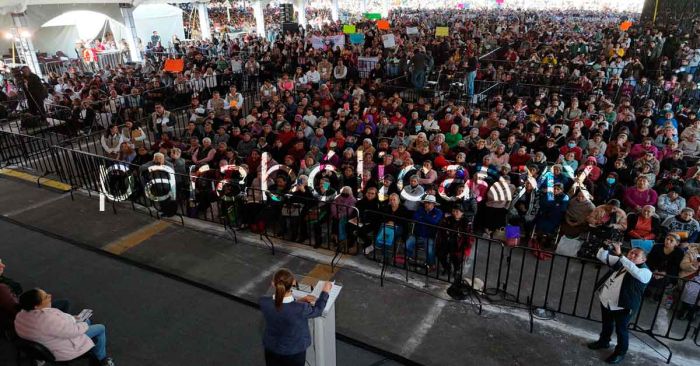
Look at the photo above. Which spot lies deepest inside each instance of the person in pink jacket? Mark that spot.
(640, 195)
(638, 150)
(61, 333)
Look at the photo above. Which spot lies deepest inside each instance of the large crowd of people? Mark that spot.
(581, 114)
(585, 131)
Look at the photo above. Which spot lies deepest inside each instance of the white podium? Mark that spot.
(322, 329)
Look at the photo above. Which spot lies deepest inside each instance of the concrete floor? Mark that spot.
(150, 319)
(407, 319)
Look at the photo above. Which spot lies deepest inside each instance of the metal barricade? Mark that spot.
(545, 282)
(26, 152)
(110, 58)
(57, 67)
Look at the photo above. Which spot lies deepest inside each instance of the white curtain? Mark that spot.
(162, 18)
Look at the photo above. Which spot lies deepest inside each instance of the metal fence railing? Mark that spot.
(545, 282)
(222, 196)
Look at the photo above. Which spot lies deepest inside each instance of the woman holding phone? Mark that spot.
(287, 335)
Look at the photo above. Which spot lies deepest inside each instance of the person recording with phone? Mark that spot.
(620, 293)
(287, 335)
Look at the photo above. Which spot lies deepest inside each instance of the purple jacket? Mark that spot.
(638, 150)
(635, 198)
(341, 207)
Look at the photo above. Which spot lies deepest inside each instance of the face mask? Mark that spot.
(611, 180)
(571, 145)
(326, 185)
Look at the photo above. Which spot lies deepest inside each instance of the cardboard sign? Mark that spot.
(442, 31)
(383, 24)
(338, 40)
(357, 38)
(366, 64)
(373, 16)
(624, 26)
(389, 41)
(89, 55)
(349, 29)
(328, 41)
(317, 42)
(176, 65)
(411, 31)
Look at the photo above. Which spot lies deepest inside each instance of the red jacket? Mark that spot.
(578, 153)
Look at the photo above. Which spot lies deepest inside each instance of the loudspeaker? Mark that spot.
(290, 27)
(28, 120)
(287, 13)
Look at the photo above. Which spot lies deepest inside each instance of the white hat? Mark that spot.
(429, 198)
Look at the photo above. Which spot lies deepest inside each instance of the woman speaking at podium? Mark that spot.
(287, 334)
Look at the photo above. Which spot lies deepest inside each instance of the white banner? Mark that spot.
(389, 41)
(317, 42)
(328, 42)
(366, 64)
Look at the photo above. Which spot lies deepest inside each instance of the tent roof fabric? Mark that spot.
(18, 6)
(75, 17)
(147, 11)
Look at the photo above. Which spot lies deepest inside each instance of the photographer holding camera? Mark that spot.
(620, 293)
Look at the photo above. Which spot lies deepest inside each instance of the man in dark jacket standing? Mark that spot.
(419, 64)
(620, 294)
(36, 92)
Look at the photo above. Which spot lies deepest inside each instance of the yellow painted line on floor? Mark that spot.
(129, 241)
(321, 272)
(33, 178)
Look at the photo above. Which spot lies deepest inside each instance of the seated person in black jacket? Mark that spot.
(395, 214)
(367, 222)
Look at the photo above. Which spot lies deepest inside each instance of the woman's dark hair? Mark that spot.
(108, 131)
(283, 281)
(29, 299)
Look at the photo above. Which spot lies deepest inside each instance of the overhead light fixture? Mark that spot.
(25, 34)
(9, 35)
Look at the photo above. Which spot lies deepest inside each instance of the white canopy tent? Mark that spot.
(57, 24)
(18, 6)
(163, 18)
(62, 32)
